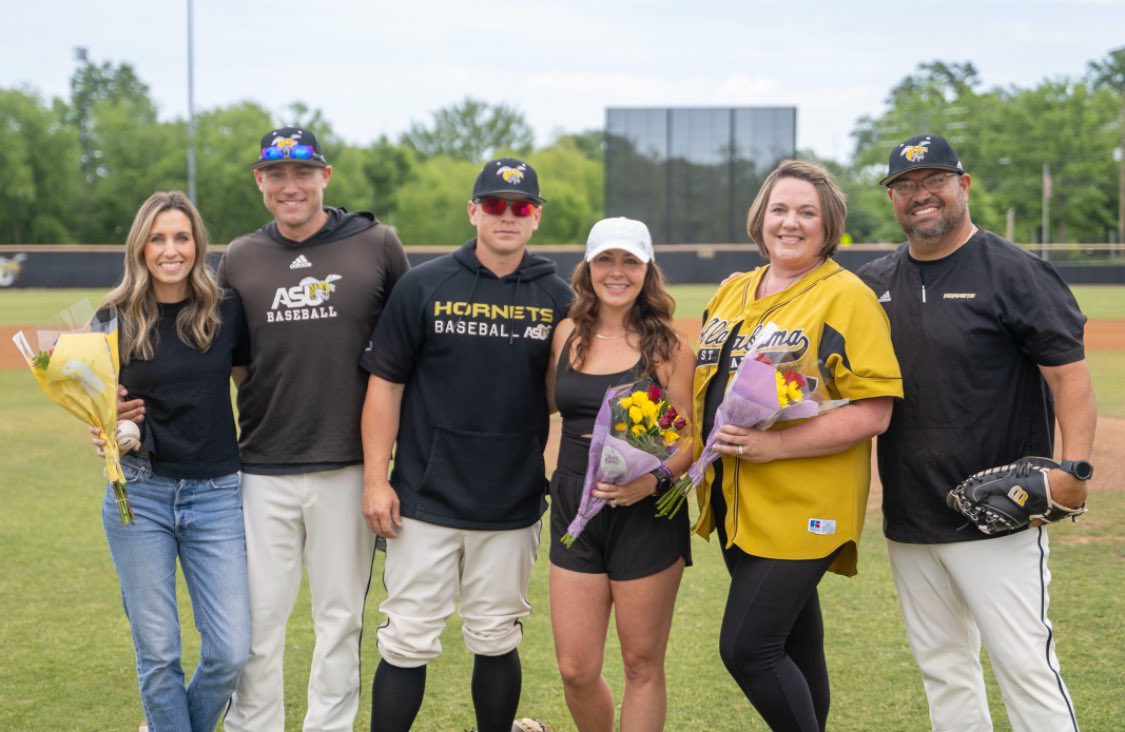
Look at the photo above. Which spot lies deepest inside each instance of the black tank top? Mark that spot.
(579, 397)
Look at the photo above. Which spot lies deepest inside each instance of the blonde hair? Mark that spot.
(833, 205)
(137, 309)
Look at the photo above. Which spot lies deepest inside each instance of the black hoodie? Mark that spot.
(310, 308)
(472, 350)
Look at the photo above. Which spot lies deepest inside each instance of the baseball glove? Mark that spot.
(1009, 497)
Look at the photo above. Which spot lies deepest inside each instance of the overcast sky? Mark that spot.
(374, 67)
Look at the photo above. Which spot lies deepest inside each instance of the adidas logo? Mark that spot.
(300, 262)
(885, 297)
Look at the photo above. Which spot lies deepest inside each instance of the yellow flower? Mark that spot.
(650, 410)
(670, 437)
(795, 394)
(640, 398)
(636, 414)
(620, 426)
(625, 402)
(782, 389)
(638, 430)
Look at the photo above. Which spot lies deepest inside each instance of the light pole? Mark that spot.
(190, 107)
(1046, 208)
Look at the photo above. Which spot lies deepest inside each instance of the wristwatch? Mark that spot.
(1078, 468)
(663, 479)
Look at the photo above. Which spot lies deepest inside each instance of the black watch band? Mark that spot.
(1080, 469)
(663, 481)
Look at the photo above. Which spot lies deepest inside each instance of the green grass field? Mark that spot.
(68, 661)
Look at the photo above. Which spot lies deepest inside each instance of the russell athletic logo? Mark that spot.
(822, 526)
(301, 262)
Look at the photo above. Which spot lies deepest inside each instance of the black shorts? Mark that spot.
(627, 542)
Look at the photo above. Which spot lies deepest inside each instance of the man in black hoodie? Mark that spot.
(458, 364)
(313, 283)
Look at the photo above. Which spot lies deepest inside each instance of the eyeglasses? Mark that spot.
(290, 152)
(495, 207)
(932, 183)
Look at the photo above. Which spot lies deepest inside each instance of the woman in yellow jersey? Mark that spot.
(788, 503)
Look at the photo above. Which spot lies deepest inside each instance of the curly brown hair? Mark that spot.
(651, 317)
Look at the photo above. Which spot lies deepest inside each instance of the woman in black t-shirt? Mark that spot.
(180, 338)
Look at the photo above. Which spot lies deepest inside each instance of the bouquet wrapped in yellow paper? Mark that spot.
(76, 366)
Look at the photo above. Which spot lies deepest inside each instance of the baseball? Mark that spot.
(128, 435)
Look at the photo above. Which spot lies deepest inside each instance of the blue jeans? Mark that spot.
(199, 521)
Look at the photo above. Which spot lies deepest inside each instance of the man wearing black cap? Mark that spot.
(313, 283)
(989, 339)
(458, 381)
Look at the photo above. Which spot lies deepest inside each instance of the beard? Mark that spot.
(950, 217)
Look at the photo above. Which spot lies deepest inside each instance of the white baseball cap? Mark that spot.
(620, 233)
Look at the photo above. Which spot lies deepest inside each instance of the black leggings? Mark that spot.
(772, 639)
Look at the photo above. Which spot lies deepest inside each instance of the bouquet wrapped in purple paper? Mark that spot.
(635, 431)
(759, 395)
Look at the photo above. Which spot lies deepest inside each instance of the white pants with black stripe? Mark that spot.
(955, 595)
(306, 521)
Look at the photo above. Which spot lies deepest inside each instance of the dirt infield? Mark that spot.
(1101, 335)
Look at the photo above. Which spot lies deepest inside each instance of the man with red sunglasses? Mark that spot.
(458, 379)
(313, 282)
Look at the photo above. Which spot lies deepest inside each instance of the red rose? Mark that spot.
(680, 423)
(654, 393)
(795, 377)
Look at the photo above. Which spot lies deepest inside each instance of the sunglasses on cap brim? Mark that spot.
(290, 152)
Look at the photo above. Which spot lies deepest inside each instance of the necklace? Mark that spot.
(794, 278)
(610, 338)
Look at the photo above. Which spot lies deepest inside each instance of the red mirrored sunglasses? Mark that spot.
(495, 206)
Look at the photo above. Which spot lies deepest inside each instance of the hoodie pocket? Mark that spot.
(490, 478)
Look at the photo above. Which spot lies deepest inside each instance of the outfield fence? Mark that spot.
(100, 265)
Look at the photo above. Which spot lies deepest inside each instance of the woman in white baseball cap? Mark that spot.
(619, 330)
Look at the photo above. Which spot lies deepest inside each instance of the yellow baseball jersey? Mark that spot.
(832, 330)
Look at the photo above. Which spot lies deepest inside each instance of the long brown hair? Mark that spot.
(137, 309)
(650, 316)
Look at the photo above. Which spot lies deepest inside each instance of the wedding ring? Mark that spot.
(613, 503)
(740, 450)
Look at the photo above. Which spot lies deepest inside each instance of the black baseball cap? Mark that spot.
(508, 175)
(289, 145)
(921, 151)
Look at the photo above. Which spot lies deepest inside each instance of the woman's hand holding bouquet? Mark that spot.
(635, 431)
(758, 396)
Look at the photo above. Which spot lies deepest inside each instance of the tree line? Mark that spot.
(74, 170)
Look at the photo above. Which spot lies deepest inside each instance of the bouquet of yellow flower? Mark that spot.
(635, 431)
(758, 395)
(77, 369)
